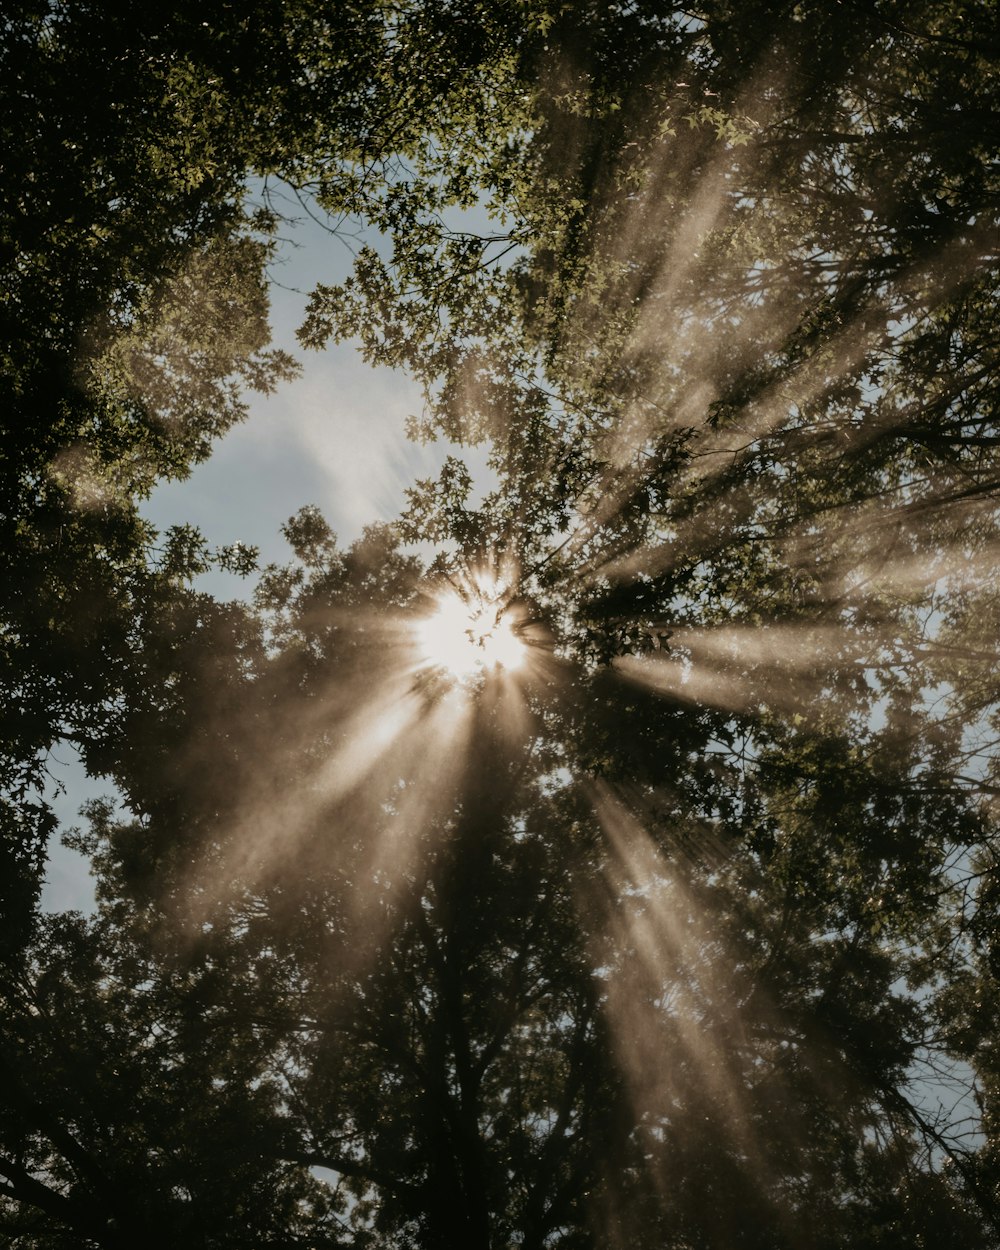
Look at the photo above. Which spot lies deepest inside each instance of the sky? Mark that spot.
(334, 437)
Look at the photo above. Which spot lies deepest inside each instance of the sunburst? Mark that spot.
(468, 634)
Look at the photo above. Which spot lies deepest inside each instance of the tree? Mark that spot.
(491, 1000)
(743, 336)
(655, 936)
(135, 316)
(134, 304)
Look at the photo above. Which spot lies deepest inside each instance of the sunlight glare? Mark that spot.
(466, 637)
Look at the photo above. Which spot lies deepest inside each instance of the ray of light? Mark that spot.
(294, 787)
(740, 668)
(702, 1041)
(673, 995)
(625, 447)
(375, 734)
(381, 747)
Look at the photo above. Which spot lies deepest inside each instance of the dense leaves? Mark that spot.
(676, 927)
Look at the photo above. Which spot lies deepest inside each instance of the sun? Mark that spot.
(469, 636)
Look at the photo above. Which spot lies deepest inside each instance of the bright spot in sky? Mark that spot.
(465, 637)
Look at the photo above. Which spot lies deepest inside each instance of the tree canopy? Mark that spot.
(608, 860)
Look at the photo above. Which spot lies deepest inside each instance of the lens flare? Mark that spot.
(465, 637)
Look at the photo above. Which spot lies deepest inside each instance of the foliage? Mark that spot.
(674, 935)
(135, 315)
